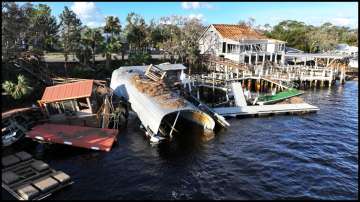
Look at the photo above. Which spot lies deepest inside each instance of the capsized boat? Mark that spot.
(156, 101)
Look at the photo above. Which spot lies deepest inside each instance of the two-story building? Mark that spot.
(240, 43)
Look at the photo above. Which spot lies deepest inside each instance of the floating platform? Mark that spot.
(29, 179)
(78, 136)
(266, 109)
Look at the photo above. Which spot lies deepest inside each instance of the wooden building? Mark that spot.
(240, 44)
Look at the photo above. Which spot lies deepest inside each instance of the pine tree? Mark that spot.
(70, 32)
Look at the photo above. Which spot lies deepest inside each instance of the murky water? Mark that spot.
(313, 156)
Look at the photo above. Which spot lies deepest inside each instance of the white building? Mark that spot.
(241, 44)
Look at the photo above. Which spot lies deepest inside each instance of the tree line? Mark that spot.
(34, 26)
(313, 39)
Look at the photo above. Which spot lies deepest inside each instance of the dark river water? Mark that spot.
(312, 156)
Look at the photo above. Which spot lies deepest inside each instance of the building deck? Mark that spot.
(29, 179)
(78, 136)
(266, 109)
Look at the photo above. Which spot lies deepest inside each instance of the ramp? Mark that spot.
(238, 94)
(268, 99)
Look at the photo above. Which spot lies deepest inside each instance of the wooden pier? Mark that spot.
(323, 70)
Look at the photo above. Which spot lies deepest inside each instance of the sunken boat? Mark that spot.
(155, 95)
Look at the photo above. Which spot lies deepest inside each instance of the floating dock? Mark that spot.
(78, 136)
(266, 109)
(29, 179)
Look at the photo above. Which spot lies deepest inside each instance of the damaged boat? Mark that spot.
(154, 93)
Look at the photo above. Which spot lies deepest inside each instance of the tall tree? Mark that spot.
(43, 27)
(112, 28)
(191, 32)
(14, 27)
(136, 31)
(70, 33)
(172, 34)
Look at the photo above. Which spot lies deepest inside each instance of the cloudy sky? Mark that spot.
(338, 13)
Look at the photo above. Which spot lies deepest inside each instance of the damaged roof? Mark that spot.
(68, 91)
(237, 32)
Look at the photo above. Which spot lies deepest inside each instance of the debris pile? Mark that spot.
(159, 90)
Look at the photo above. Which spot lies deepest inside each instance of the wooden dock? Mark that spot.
(259, 110)
(29, 179)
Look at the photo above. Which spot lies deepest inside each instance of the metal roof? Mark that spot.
(67, 91)
(78, 136)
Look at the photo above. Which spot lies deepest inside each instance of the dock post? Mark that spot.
(342, 75)
(89, 103)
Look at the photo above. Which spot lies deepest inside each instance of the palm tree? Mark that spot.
(92, 39)
(112, 28)
(113, 45)
(18, 90)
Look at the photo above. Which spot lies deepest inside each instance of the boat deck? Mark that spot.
(29, 179)
(78, 136)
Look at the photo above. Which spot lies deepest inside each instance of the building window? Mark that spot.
(224, 47)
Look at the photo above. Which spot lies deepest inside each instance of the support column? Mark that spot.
(46, 109)
(327, 62)
(263, 60)
(342, 75)
(89, 103)
(283, 58)
(58, 107)
(256, 58)
(226, 73)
